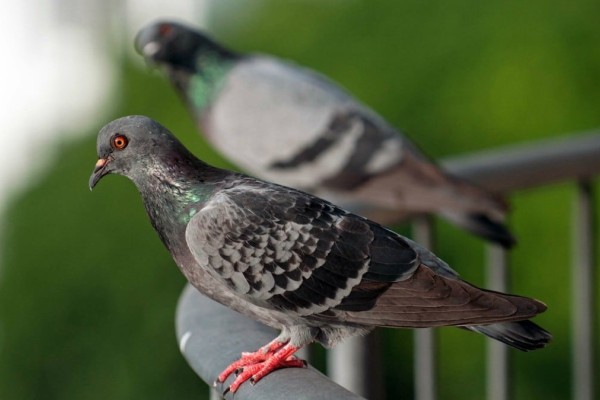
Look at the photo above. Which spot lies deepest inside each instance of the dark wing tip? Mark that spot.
(522, 335)
(487, 228)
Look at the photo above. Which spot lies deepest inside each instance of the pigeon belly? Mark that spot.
(212, 288)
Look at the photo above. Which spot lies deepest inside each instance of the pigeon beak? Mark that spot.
(99, 171)
(144, 43)
(150, 49)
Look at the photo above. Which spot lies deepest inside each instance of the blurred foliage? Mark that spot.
(88, 293)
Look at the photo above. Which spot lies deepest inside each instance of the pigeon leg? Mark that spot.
(282, 358)
(250, 358)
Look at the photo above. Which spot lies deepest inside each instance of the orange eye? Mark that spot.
(165, 29)
(119, 142)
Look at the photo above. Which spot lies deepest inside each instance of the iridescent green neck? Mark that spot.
(170, 208)
(190, 201)
(174, 190)
(209, 79)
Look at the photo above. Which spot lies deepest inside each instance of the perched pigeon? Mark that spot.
(292, 126)
(294, 261)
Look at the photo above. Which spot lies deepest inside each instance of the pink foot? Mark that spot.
(259, 364)
(251, 358)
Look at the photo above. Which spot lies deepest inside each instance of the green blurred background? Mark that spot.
(87, 292)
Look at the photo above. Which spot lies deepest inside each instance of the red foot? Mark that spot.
(251, 358)
(255, 366)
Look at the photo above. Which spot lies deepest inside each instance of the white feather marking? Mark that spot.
(268, 284)
(293, 236)
(242, 267)
(292, 284)
(226, 251)
(388, 154)
(340, 294)
(240, 282)
(284, 255)
(226, 269)
(236, 257)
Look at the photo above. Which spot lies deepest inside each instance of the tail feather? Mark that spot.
(522, 335)
(482, 225)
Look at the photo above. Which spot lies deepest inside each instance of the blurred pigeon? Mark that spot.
(290, 125)
(293, 261)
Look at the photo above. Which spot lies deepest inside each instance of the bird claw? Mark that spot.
(257, 365)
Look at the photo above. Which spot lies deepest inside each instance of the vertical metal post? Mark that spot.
(583, 294)
(425, 342)
(356, 365)
(497, 360)
(305, 353)
(214, 395)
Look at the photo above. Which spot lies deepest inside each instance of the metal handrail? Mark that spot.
(532, 164)
(583, 304)
(211, 336)
(201, 323)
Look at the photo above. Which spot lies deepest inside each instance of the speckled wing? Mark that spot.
(283, 249)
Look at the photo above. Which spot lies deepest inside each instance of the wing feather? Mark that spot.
(288, 250)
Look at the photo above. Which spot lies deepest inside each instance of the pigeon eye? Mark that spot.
(119, 142)
(165, 29)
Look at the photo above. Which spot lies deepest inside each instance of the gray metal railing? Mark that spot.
(575, 158)
(211, 336)
(425, 346)
(585, 239)
(497, 387)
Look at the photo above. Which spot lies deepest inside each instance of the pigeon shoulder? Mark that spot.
(286, 74)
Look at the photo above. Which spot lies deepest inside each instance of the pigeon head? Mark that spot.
(177, 46)
(135, 146)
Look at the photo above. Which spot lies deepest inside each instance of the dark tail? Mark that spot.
(482, 225)
(522, 335)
